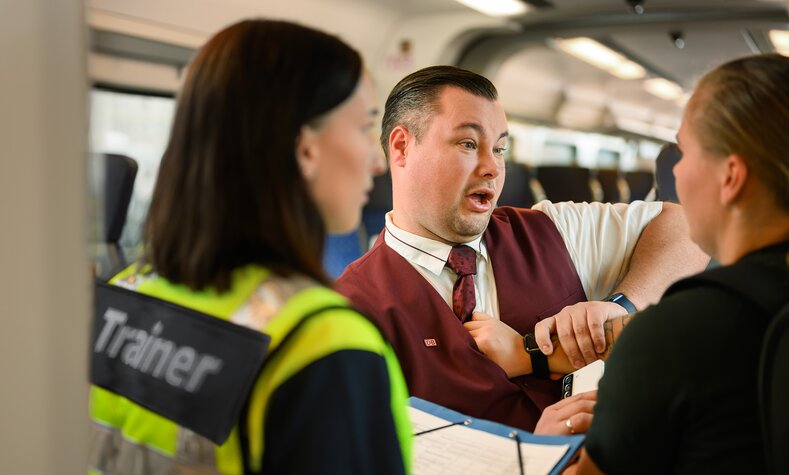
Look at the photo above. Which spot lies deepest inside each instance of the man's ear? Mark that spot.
(307, 152)
(399, 144)
(735, 176)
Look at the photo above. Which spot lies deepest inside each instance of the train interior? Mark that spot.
(593, 89)
(578, 132)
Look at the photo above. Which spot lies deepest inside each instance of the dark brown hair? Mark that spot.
(742, 107)
(415, 99)
(229, 191)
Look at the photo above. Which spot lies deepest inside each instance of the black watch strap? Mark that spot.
(620, 299)
(539, 362)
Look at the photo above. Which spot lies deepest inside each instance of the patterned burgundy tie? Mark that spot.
(463, 260)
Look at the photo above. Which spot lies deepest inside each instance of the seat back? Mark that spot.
(565, 183)
(517, 190)
(119, 175)
(664, 172)
(340, 250)
(380, 203)
(640, 183)
(774, 393)
(615, 189)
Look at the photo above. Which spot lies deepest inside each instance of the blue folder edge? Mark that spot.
(574, 441)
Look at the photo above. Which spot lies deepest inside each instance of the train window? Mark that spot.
(648, 149)
(559, 154)
(607, 158)
(136, 125)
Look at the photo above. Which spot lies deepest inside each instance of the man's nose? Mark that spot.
(490, 164)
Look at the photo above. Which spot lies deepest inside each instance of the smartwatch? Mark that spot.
(539, 362)
(620, 299)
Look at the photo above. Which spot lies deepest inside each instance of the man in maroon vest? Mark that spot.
(450, 265)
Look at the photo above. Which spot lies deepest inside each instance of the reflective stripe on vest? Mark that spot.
(128, 436)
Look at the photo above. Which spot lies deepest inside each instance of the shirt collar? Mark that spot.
(425, 252)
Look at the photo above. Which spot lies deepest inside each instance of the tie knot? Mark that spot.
(463, 260)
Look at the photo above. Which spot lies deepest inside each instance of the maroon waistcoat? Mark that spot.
(535, 278)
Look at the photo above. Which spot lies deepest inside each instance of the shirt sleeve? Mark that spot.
(600, 238)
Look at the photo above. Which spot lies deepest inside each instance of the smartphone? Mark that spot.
(583, 380)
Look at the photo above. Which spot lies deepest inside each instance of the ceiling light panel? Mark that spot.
(496, 7)
(596, 54)
(663, 88)
(780, 40)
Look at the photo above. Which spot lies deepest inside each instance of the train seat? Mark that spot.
(380, 203)
(340, 250)
(614, 187)
(566, 183)
(640, 183)
(518, 187)
(664, 175)
(119, 175)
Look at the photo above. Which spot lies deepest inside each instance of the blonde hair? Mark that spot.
(742, 107)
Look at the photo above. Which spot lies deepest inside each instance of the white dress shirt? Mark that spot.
(600, 238)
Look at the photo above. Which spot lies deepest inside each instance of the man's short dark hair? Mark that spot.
(415, 99)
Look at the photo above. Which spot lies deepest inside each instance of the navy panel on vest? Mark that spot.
(189, 367)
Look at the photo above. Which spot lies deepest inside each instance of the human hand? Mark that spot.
(571, 469)
(500, 343)
(580, 330)
(568, 416)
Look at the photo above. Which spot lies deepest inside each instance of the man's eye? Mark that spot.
(499, 150)
(468, 145)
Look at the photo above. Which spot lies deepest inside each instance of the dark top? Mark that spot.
(679, 394)
(535, 279)
(325, 399)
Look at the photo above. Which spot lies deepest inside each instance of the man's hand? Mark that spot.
(577, 409)
(580, 330)
(500, 343)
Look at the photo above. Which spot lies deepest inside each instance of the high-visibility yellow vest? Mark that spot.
(127, 435)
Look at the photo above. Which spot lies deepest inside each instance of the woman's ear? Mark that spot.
(735, 177)
(399, 142)
(307, 152)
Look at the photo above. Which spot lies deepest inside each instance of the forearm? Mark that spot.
(520, 363)
(613, 328)
(664, 254)
(558, 361)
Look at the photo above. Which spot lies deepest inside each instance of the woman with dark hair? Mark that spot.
(680, 389)
(271, 147)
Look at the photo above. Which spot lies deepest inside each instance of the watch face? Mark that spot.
(530, 343)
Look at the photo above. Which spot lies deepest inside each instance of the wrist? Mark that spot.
(621, 299)
(522, 364)
(558, 361)
(538, 361)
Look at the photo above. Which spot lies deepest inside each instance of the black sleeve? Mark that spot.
(334, 417)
